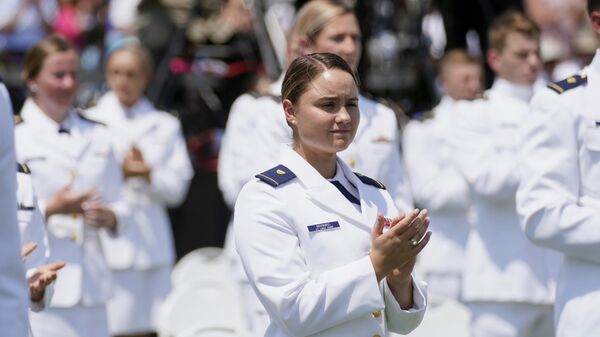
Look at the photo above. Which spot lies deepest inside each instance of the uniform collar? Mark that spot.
(323, 192)
(110, 99)
(506, 88)
(595, 64)
(33, 115)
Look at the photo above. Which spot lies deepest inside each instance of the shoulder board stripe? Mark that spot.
(23, 168)
(568, 83)
(89, 120)
(276, 176)
(370, 181)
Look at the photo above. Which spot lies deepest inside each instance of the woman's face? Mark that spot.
(126, 77)
(340, 36)
(326, 115)
(56, 85)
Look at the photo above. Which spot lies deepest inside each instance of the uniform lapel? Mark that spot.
(318, 189)
(591, 97)
(82, 138)
(368, 208)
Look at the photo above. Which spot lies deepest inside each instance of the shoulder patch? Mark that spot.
(276, 176)
(23, 168)
(18, 119)
(568, 83)
(370, 181)
(89, 120)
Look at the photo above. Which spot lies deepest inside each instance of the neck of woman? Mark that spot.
(55, 113)
(324, 163)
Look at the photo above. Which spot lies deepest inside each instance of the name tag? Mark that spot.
(323, 226)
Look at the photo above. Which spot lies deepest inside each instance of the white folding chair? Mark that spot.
(208, 263)
(203, 303)
(212, 331)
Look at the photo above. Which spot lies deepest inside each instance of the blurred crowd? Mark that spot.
(202, 62)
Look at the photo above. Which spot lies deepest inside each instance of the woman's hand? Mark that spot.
(403, 241)
(42, 277)
(27, 249)
(97, 214)
(67, 201)
(135, 166)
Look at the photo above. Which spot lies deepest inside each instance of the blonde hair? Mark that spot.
(312, 18)
(455, 57)
(35, 57)
(511, 21)
(140, 52)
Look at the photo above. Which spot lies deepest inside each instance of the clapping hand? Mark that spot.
(135, 166)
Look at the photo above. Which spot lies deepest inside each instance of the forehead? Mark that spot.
(125, 57)
(332, 82)
(516, 40)
(60, 59)
(462, 69)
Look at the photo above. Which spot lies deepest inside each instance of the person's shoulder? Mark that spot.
(276, 176)
(370, 181)
(570, 84)
(561, 94)
(87, 120)
(23, 168)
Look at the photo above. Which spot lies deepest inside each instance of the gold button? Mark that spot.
(376, 314)
(73, 237)
(376, 336)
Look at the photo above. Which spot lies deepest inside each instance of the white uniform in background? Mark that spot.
(305, 249)
(32, 229)
(13, 289)
(508, 282)
(85, 157)
(439, 187)
(142, 257)
(245, 150)
(559, 196)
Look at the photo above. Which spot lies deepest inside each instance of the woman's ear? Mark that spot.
(290, 112)
(304, 45)
(31, 86)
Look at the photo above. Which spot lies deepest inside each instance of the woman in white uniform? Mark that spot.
(78, 183)
(310, 232)
(157, 171)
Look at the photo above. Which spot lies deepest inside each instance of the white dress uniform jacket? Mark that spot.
(32, 229)
(148, 241)
(84, 156)
(438, 185)
(13, 290)
(559, 196)
(502, 265)
(305, 248)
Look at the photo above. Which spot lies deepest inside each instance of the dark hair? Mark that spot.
(592, 6)
(37, 54)
(511, 21)
(306, 68)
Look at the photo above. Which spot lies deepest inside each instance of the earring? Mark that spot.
(33, 88)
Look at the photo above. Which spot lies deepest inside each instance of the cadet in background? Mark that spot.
(508, 282)
(559, 197)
